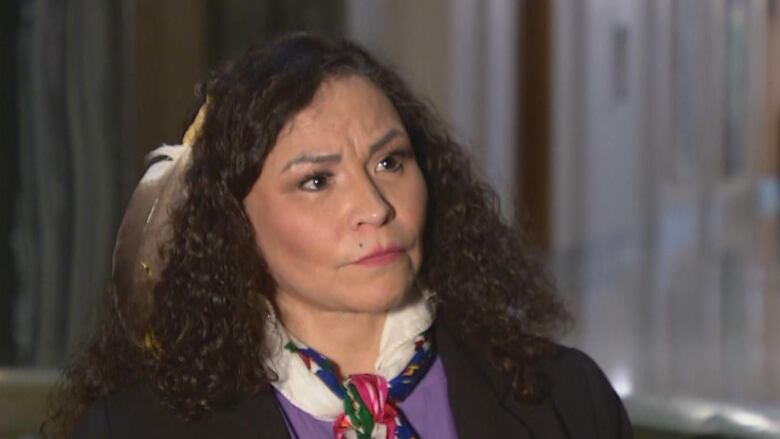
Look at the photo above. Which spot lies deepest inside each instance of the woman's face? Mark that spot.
(340, 184)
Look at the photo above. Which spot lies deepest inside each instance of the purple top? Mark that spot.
(427, 408)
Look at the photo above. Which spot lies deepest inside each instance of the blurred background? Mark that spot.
(638, 140)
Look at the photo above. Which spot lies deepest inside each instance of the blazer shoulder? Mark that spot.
(93, 422)
(583, 395)
(134, 406)
(136, 411)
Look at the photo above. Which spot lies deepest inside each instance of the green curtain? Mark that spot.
(70, 156)
(9, 132)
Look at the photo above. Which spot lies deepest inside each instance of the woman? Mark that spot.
(319, 260)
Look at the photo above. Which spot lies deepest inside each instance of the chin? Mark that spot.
(381, 298)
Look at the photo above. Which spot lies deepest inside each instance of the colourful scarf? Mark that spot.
(363, 405)
(370, 409)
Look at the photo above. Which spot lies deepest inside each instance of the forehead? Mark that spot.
(344, 109)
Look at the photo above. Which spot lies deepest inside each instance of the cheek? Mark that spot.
(419, 203)
(414, 199)
(410, 199)
(288, 236)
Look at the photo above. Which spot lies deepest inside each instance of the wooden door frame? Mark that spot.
(534, 181)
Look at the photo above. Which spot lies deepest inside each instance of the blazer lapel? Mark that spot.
(475, 406)
(481, 399)
(266, 417)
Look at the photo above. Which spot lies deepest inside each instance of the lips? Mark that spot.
(380, 257)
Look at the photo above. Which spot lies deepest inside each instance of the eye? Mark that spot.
(314, 182)
(391, 162)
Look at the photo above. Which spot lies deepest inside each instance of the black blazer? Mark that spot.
(580, 404)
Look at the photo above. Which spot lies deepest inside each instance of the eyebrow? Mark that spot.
(335, 158)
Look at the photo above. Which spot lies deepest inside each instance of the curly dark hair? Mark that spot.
(209, 313)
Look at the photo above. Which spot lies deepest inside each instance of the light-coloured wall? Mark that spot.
(655, 238)
(411, 37)
(598, 172)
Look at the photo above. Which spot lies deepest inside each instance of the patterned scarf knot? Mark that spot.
(370, 410)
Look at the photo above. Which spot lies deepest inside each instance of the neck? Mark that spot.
(350, 340)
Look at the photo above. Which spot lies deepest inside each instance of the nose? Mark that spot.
(369, 205)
